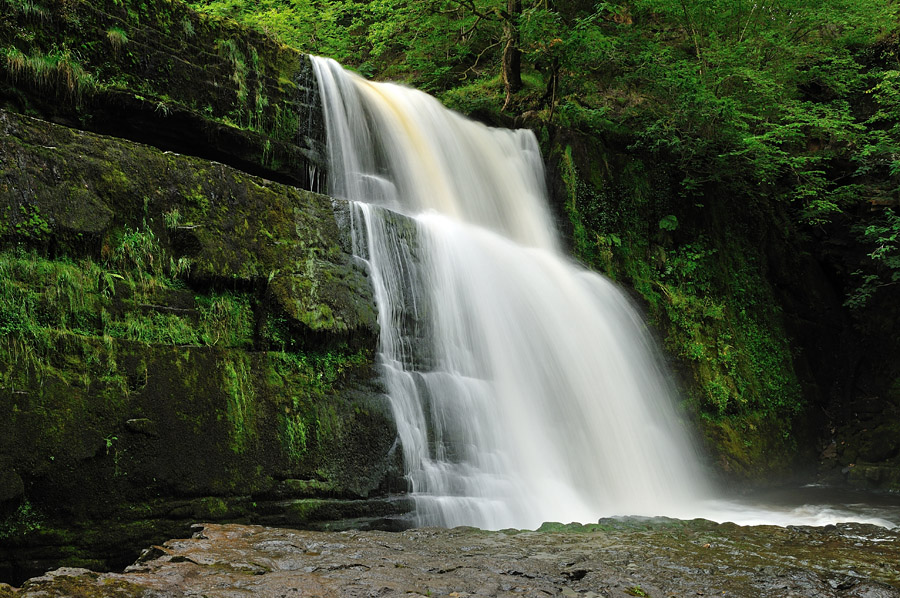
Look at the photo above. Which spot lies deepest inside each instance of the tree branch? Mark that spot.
(470, 4)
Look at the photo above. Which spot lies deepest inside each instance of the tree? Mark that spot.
(511, 71)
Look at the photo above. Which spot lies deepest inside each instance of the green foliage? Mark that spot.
(156, 328)
(229, 48)
(28, 8)
(138, 251)
(669, 222)
(309, 25)
(32, 226)
(172, 218)
(57, 69)
(418, 42)
(25, 520)
(37, 295)
(187, 27)
(225, 319)
(295, 434)
(753, 97)
(118, 39)
(312, 378)
(482, 95)
(44, 303)
(884, 236)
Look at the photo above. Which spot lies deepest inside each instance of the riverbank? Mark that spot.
(617, 557)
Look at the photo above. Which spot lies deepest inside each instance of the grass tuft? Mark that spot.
(118, 39)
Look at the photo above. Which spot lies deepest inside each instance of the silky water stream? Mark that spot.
(525, 389)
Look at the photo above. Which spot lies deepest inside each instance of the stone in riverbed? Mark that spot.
(655, 558)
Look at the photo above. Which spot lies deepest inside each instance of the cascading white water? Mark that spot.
(524, 387)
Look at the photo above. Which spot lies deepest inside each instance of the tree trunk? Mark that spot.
(511, 74)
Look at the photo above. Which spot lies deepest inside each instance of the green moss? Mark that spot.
(85, 586)
(199, 199)
(555, 527)
(240, 400)
(138, 251)
(230, 51)
(313, 381)
(751, 446)
(154, 328)
(483, 96)
(226, 319)
(295, 436)
(212, 508)
(305, 509)
(90, 381)
(29, 9)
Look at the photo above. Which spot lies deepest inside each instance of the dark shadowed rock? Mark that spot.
(138, 396)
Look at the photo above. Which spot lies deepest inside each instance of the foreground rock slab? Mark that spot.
(659, 558)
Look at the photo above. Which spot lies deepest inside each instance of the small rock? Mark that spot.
(142, 425)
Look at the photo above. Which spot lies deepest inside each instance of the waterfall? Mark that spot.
(525, 389)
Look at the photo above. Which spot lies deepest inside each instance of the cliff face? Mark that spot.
(176, 334)
(179, 340)
(159, 73)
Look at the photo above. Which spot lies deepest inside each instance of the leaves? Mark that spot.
(784, 103)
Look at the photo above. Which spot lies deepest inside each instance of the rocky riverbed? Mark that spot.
(628, 557)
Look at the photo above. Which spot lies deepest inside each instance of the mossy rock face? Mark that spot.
(158, 72)
(67, 582)
(176, 338)
(749, 448)
(883, 444)
(79, 192)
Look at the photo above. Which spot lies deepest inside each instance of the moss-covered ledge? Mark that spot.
(178, 341)
(75, 193)
(157, 72)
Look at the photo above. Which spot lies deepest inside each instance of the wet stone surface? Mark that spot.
(659, 558)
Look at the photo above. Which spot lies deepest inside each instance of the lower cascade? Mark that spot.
(524, 387)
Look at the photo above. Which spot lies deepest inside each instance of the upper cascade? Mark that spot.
(399, 148)
(525, 388)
